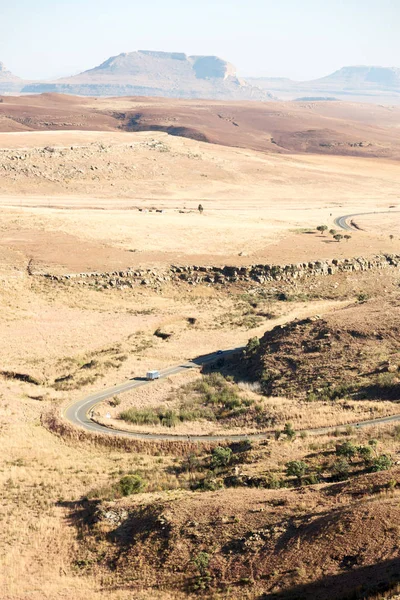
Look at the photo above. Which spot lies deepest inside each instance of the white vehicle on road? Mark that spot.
(152, 375)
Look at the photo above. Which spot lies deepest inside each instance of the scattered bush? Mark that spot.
(221, 457)
(341, 469)
(365, 452)
(241, 446)
(165, 417)
(252, 345)
(160, 334)
(203, 580)
(115, 401)
(296, 468)
(362, 297)
(289, 431)
(207, 484)
(381, 463)
(131, 484)
(347, 450)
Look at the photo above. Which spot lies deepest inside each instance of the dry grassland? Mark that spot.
(77, 210)
(74, 207)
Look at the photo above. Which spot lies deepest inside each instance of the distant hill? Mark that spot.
(363, 78)
(8, 81)
(357, 83)
(147, 73)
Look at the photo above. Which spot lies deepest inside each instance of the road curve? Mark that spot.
(343, 223)
(80, 413)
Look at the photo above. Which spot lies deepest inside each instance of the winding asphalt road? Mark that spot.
(343, 222)
(81, 413)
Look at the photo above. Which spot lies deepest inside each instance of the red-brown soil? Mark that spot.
(319, 543)
(340, 354)
(338, 128)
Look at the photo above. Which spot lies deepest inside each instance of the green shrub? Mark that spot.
(221, 457)
(203, 580)
(362, 297)
(252, 345)
(365, 452)
(207, 484)
(131, 484)
(296, 468)
(341, 469)
(311, 479)
(241, 446)
(202, 561)
(289, 431)
(347, 450)
(381, 463)
(273, 482)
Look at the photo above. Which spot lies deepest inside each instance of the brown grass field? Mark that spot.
(80, 183)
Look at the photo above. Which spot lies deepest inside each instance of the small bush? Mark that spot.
(115, 401)
(221, 457)
(381, 463)
(296, 468)
(347, 450)
(341, 469)
(362, 297)
(289, 431)
(365, 452)
(252, 345)
(207, 484)
(131, 484)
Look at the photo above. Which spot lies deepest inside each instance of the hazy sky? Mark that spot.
(301, 39)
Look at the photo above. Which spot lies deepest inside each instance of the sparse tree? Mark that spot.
(347, 237)
(200, 209)
(391, 237)
(338, 237)
(332, 231)
(322, 229)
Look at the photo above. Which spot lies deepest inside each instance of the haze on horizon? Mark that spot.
(301, 40)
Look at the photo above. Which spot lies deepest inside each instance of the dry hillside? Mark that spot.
(315, 127)
(352, 352)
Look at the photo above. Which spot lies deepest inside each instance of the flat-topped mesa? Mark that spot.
(196, 274)
(154, 73)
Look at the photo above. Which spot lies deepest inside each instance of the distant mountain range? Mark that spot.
(359, 83)
(176, 75)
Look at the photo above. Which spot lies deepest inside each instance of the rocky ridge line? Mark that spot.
(194, 275)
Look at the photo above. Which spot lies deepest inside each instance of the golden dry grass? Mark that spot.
(256, 205)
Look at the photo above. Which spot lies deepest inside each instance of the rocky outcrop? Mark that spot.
(194, 274)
